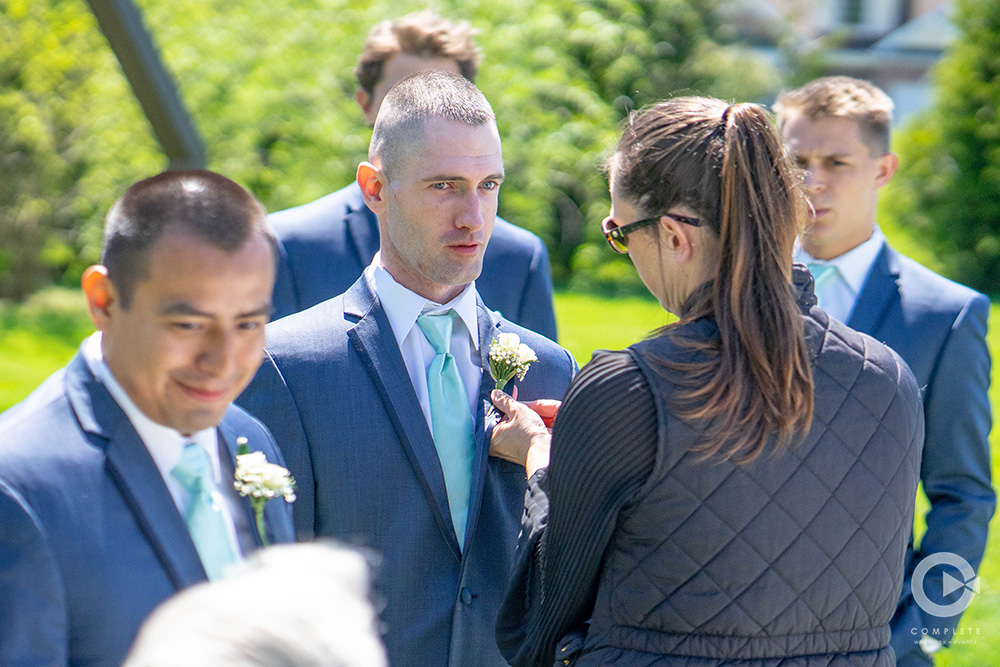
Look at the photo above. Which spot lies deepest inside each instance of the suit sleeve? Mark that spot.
(536, 307)
(33, 615)
(955, 470)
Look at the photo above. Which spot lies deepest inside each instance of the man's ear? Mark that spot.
(886, 168)
(372, 182)
(100, 295)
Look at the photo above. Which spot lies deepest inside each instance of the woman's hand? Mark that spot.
(523, 435)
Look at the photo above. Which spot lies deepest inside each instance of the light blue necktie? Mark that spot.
(204, 516)
(824, 277)
(822, 273)
(450, 417)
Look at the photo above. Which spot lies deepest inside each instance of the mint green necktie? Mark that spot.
(822, 273)
(204, 516)
(451, 419)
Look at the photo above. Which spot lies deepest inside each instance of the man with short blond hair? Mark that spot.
(327, 243)
(379, 396)
(837, 130)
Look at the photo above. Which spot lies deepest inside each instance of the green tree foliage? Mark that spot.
(270, 86)
(70, 135)
(948, 186)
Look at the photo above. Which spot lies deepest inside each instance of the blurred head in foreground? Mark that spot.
(302, 605)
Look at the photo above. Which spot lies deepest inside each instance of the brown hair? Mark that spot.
(423, 34)
(843, 97)
(211, 206)
(726, 164)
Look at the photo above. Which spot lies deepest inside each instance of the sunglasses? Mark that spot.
(617, 235)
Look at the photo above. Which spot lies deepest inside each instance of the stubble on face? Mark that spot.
(440, 207)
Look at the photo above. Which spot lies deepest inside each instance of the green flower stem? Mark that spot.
(501, 384)
(258, 513)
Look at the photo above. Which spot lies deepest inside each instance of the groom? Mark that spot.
(377, 396)
(116, 475)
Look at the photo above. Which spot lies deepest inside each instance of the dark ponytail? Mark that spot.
(754, 386)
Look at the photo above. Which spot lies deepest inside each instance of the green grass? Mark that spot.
(587, 322)
(37, 338)
(40, 336)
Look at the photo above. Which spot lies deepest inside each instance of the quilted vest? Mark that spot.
(790, 560)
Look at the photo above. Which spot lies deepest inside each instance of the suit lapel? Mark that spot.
(375, 344)
(227, 448)
(488, 330)
(362, 225)
(133, 471)
(880, 290)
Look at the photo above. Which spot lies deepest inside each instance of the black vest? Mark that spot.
(796, 559)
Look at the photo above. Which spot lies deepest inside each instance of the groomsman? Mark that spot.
(837, 129)
(378, 396)
(327, 243)
(116, 474)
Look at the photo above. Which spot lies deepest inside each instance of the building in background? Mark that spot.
(892, 43)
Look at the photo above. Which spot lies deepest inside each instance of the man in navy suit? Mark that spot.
(116, 474)
(352, 388)
(837, 128)
(327, 243)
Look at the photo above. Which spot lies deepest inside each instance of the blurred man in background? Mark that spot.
(837, 129)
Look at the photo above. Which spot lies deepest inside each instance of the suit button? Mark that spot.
(466, 596)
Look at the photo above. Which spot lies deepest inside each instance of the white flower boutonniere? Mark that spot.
(261, 481)
(509, 358)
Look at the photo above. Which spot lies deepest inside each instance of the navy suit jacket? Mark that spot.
(335, 392)
(90, 538)
(326, 244)
(939, 328)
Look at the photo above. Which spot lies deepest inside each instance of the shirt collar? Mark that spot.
(402, 306)
(165, 444)
(854, 264)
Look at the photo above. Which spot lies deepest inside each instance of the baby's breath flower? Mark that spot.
(509, 358)
(261, 481)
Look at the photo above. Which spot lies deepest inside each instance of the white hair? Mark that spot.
(302, 605)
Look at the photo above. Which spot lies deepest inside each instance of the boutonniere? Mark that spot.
(261, 481)
(509, 358)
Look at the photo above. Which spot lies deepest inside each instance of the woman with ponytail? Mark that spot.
(738, 488)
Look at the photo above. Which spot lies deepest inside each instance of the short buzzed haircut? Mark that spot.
(415, 99)
(204, 203)
(422, 34)
(843, 97)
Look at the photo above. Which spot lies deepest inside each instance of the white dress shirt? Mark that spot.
(403, 306)
(838, 294)
(166, 444)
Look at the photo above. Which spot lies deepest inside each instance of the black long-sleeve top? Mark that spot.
(604, 444)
